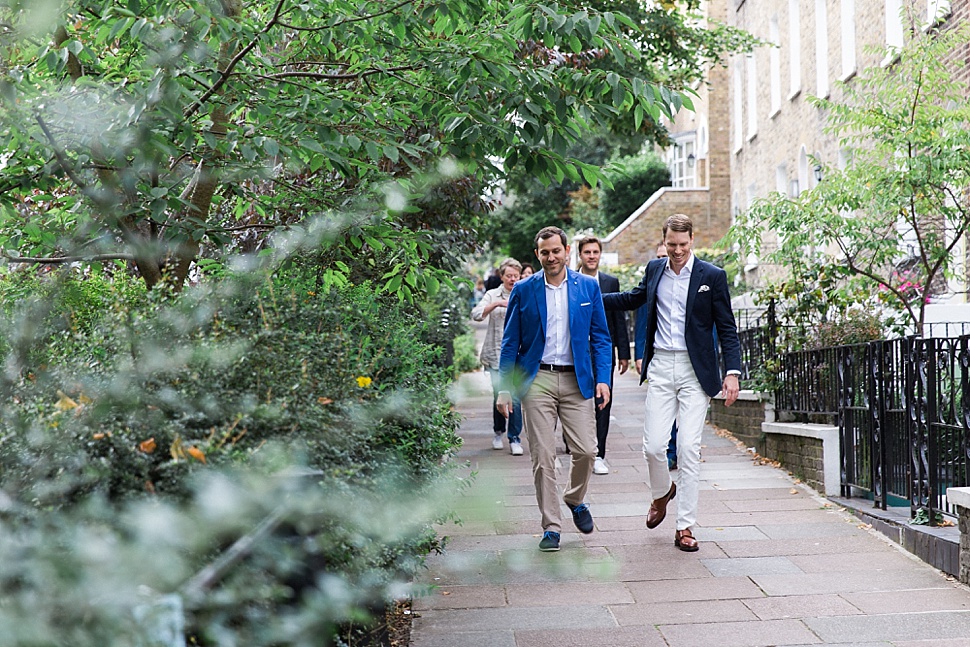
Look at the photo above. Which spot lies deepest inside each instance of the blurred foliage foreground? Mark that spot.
(251, 462)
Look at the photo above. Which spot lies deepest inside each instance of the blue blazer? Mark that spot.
(709, 316)
(524, 339)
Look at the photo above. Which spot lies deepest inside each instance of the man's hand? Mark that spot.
(624, 365)
(639, 362)
(504, 403)
(730, 389)
(603, 393)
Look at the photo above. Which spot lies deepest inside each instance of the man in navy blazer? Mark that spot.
(686, 302)
(556, 355)
(590, 251)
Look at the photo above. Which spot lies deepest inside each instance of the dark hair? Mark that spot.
(588, 240)
(678, 222)
(549, 232)
(529, 265)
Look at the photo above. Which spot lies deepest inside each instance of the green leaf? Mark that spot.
(311, 144)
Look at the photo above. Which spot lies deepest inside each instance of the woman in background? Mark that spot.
(493, 306)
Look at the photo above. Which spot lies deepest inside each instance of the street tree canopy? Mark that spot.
(153, 133)
(894, 217)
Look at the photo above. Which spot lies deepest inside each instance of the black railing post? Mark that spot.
(876, 358)
(932, 418)
(846, 442)
(919, 419)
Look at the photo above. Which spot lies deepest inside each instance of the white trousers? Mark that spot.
(674, 394)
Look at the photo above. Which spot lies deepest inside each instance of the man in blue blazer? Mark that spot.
(687, 302)
(556, 355)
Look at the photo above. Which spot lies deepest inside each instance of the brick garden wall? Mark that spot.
(800, 455)
(743, 419)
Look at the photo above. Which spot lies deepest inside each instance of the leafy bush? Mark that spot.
(466, 355)
(856, 326)
(129, 401)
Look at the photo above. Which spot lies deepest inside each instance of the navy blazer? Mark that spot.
(615, 319)
(524, 338)
(708, 311)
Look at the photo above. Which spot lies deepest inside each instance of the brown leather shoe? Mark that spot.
(658, 509)
(684, 540)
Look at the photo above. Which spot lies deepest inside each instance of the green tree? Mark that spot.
(632, 180)
(156, 132)
(893, 217)
(534, 203)
(679, 49)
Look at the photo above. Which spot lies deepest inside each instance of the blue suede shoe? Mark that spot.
(582, 518)
(550, 542)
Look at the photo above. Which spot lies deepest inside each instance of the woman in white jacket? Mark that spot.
(493, 306)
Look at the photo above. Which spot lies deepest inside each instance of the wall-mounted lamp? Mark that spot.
(690, 161)
(793, 189)
(818, 172)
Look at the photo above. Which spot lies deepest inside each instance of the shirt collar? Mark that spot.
(555, 287)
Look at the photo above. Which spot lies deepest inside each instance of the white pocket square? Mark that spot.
(585, 304)
(704, 288)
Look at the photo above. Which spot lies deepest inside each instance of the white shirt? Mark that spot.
(672, 307)
(558, 349)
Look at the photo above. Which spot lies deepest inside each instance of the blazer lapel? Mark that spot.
(696, 278)
(655, 283)
(539, 294)
(573, 295)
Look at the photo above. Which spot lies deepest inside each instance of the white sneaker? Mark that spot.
(516, 448)
(497, 442)
(600, 466)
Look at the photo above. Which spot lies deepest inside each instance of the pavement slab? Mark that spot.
(893, 627)
(778, 565)
(695, 611)
(800, 606)
(761, 633)
(617, 637)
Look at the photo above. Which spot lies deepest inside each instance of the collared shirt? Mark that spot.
(672, 307)
(558, 349)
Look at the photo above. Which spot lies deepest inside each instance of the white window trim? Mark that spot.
(794, 50)
(822, 87)
(848, 42)
(738, 107)
(751, 65)
(894, 31)
(774, 65)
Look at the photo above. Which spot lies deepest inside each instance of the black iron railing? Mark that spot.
(902, 406)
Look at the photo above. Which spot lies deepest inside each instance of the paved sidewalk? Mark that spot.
(778, 565)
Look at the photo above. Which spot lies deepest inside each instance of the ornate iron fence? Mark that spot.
(903, 411)
(902, 405)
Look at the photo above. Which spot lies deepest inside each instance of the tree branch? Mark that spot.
(226, 73)
(336, 77)
(222, 230)
(55, 260)
(61, 157)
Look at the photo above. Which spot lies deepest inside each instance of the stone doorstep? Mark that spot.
(828, 434)
(937, 546)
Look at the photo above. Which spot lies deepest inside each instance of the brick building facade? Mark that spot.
(775, 131)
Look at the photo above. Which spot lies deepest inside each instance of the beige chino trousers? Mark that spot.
(555, 396)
